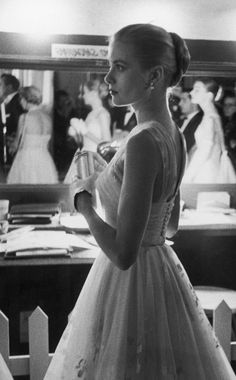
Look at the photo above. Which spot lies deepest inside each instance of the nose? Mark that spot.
(108, 78)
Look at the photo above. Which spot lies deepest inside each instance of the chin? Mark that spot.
(119, 102)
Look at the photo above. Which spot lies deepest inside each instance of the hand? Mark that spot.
(83, 202)
(81, 186)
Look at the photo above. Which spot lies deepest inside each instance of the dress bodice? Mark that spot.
(35, 141)
(109, 185)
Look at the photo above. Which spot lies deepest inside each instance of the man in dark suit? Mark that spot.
(9, 86)
(123, 118)
(192, 118)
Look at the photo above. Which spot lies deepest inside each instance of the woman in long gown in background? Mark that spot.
(33, 163)
(96, 127)
(209, 161)
(137, 316)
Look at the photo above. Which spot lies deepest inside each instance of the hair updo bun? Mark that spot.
(182, 58)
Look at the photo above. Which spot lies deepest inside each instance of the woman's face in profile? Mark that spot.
(87, 95)
(199, 93)
(126, 79)
(23, 103)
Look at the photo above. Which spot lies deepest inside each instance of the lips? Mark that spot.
(112, 92)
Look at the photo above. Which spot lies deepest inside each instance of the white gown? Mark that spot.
(98, 124)
(209, 161)
(145, 322)
(33, 163)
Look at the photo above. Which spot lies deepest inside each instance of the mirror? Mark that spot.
(62, 100)
(206, 114)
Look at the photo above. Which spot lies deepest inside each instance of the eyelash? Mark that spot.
(117, 66)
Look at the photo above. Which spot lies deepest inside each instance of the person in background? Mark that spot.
(96, 127)
(137, 316)
(192, 118)
(9, 86)
(209, 162)
(229, 124)
(64, 146)
(33, 164)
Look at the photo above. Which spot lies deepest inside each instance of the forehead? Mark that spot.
(199, 85)
(121, 51)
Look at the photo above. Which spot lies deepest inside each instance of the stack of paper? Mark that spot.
(38, 243)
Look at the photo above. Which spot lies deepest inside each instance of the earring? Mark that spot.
(152, 86)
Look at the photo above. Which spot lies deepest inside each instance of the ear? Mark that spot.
(156, 74)
(211, 96)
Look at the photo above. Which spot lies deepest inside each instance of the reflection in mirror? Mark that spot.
(65, 97)
(201, 110)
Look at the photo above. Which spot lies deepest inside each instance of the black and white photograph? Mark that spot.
(118, 190)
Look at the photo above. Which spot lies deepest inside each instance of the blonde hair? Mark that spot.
(31, 94)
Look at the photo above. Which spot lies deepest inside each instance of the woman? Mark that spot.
(96, 127)
(137, 316)
(208, 161)
(33, 164)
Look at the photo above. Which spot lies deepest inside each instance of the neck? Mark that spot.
(208, 108)
(96, 105)
(153, 107)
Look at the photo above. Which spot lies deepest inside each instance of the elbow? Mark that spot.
(125, 260)
(124, 266)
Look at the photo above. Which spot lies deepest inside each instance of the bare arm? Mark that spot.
(121, 245)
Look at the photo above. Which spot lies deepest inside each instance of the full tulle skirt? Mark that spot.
(142, 323)
(33, 166)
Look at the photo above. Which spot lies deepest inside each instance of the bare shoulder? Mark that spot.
(144, 150)
(143, 142)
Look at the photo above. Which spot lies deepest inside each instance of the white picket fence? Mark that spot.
(36, 363)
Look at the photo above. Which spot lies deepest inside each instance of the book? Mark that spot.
(34, 213)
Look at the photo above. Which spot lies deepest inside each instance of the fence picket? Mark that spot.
(222, 320)
(4, 337)
(38, 344)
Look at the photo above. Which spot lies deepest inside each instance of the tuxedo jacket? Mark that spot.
(190, 130)
(13, 112)
(118, 119)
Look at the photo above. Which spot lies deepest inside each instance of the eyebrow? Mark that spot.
(120, 61)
